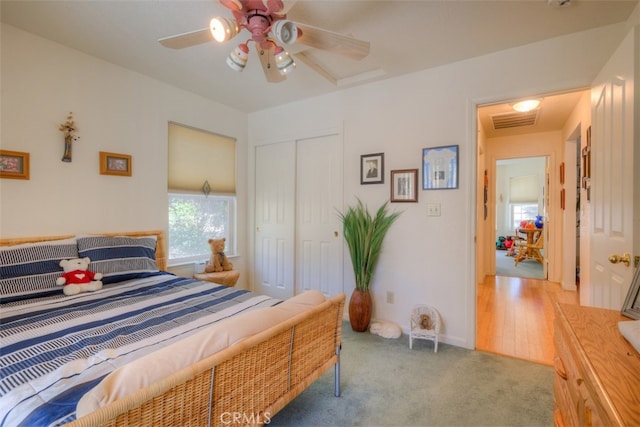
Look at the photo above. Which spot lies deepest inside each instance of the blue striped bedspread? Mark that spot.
(53, 350)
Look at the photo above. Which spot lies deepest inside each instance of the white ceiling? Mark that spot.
(553, 112)
(405, 36)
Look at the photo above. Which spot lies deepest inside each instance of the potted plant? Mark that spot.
(364, 235)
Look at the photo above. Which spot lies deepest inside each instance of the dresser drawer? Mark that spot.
(597, 373)
(565, 365)
(565, 411)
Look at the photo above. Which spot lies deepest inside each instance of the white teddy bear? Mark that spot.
(77, 278)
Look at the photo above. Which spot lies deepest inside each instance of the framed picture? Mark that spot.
(372, 168)
(440, 168)
(631, 306)
(115, 164)
(404, 185)
(14, 164)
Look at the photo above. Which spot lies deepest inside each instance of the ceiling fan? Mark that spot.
(270, 30)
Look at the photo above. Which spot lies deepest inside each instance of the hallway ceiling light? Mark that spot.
(526, 105)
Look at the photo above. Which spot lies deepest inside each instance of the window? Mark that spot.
(523, 199)
(194, 219)
(201, 191)
(522, 212)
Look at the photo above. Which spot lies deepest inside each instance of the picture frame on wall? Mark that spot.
(372, 168)
(440, 167)
(404, 185)
(631, 306)
(115, 164)
(14, 164)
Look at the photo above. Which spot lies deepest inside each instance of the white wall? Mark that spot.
(116, 110)
(431, 259)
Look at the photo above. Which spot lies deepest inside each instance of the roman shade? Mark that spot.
(197, 157)
(523, 189)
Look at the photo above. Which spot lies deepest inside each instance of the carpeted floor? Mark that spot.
(529, 268)
(386, 384)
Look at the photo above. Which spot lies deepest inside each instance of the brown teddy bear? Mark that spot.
(219, 261)
(426, 322)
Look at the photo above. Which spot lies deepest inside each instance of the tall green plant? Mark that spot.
(364, 235)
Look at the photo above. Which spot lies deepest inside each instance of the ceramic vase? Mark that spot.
(539, 222)
(68, 140)
(360, 310)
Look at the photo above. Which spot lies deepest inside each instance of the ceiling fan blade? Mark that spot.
(332, 42)
(192, 38)
(268, 61)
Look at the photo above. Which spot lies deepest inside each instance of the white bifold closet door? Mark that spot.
(298, 235)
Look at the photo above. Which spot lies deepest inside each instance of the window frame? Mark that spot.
(231, 238)
(515, 225)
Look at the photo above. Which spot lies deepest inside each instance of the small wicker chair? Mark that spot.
(424, 324)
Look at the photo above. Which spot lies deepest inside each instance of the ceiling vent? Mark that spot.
(514, 120)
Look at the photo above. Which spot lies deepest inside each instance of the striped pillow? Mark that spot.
(30, 270)
(119, 258)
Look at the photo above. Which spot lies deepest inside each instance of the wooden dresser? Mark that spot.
(597, 372)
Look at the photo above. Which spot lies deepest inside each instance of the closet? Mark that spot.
(298, 235)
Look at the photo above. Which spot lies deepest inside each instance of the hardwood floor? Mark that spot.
(515, 316)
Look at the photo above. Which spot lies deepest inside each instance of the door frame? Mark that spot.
(288, 136)
(482, 228)
(492, 264)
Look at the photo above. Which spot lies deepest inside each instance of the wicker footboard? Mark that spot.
(247, 383)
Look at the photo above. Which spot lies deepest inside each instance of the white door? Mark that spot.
(275, 219)
(612, 179)
(318, 231)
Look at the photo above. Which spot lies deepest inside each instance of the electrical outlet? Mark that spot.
(433, 209)
(389, 297)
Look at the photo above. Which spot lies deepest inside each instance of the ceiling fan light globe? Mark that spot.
(284, 62)
(285, 32)
(223, 29)
(238, 58)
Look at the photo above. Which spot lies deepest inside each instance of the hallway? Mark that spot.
(515, 316)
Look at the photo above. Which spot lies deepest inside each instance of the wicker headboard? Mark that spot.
(161, 257)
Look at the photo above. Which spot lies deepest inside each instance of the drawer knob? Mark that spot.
(559, 368)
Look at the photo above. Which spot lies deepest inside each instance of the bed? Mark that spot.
(150, 348)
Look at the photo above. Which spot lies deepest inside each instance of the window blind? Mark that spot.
(523, 189)
(197, 156)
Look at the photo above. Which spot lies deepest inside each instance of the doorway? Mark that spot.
(519, 201)
(503, 137)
